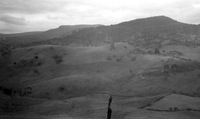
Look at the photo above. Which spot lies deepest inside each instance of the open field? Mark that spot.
(75, 83)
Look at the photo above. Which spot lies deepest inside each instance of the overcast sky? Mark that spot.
(38, 15)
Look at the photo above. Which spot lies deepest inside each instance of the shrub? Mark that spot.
(188, 109)
(47, 95)
(170, 109)
(112, 45)
(36, 71)
(131, 71)
(166, 67)
(61, 88)
(109, 58)
(51, 48)
(36, 57)
(157, 51)
(7, 91)
(174, 66)
(57, 58)
(5, 53)
(30, 49)
(133, 58)
(176, 53)
(119, 59)
(23, 62)
(5, 50)
(28, 91)
(175, 109)
(39, 63)
(150, 52)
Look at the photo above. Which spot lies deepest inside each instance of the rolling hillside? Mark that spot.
(150, 67)
(75, 82)
(29, 37)
(149, 32)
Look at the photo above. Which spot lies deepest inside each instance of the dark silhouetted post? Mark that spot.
(109, 112)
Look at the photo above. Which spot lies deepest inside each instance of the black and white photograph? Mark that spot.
(99, 59)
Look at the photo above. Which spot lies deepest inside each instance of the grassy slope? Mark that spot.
(180, 101)
(97, 70)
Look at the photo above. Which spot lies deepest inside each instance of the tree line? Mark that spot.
(12, 92)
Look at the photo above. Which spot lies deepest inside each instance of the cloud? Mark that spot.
(33, 6)
(12, 20)
(10, 28)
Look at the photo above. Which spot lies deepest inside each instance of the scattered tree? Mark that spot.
(112, 45)
(109, 58)
(12, 92)
(57, 58)
(36, 71)
(170, 109)
(5, 50)
(175, 109)
(61, 88)
(157, 51)
(174, 66)
(36, 57)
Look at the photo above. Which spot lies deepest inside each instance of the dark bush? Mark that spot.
(7, 91)
(175, 53)
(109, 58)
(28, 91)
(133, 58)
(57, 58)
(51, 48)
(174, 66)
(189, 109)
(23, 62)
(36, 57)
(175, 109)
(112, 45)
(157, 51)
(36, 71)
(170, 109)
(12, 92)
(19, 92)
(150, 52)
(30, 49)
(120, 58)
(60, 89)
(39, 63)
(5, 50)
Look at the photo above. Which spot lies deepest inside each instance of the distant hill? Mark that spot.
(62, 31)
(28, 37)
(151, 32)
(148, 32)
(21, 34)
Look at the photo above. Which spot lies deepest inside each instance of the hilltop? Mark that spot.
(29, 37)
(148, 32)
